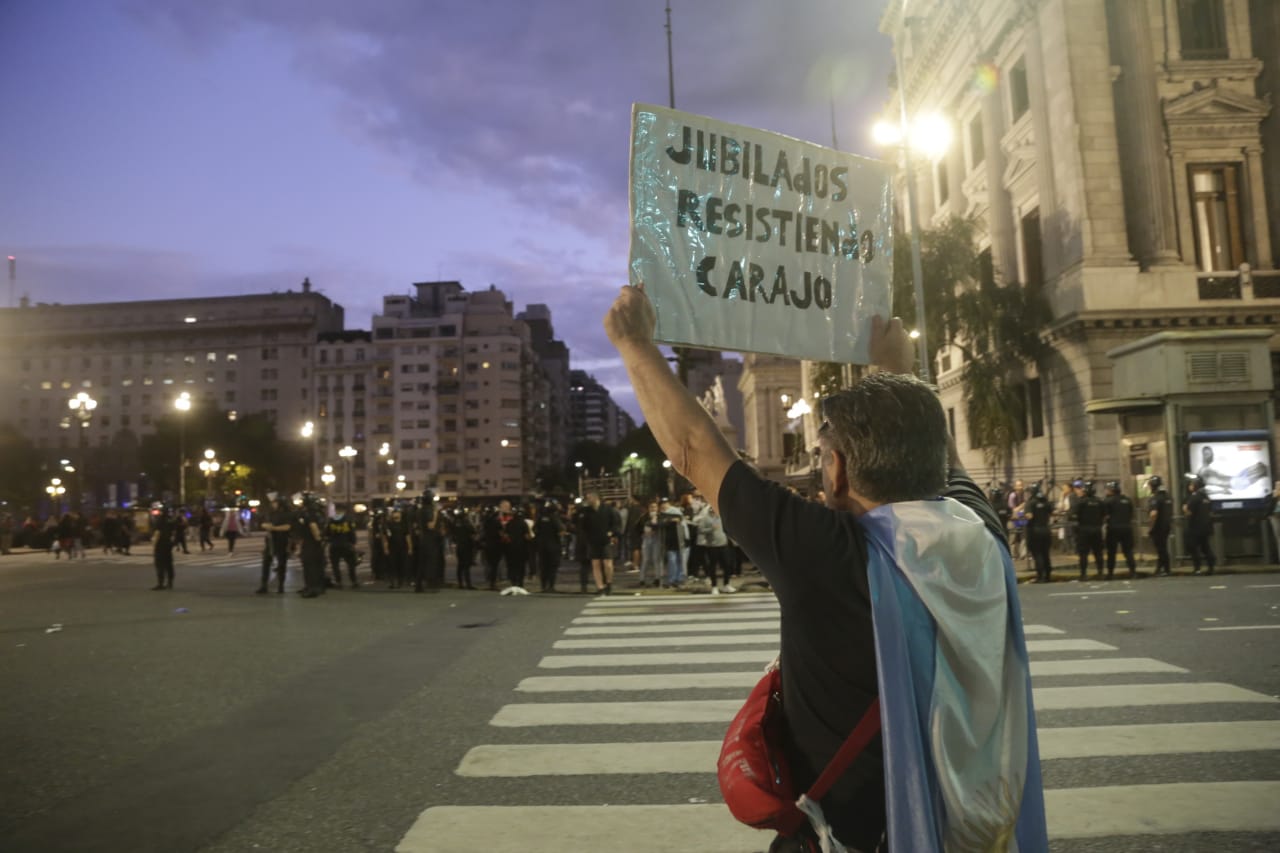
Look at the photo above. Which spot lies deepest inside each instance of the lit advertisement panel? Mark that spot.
(1234, 465)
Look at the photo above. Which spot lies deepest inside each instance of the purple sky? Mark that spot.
(168, 148)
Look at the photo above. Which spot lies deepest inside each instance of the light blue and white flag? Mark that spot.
(962, 764)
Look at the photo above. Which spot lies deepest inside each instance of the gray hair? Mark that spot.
(893, 434)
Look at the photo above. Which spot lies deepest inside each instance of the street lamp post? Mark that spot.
(82, 405)
(55, 490)
(348, 453)
(308, 433)
(183, 405)
(327, 478)
(209, 465)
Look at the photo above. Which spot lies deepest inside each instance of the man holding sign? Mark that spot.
(904, 535)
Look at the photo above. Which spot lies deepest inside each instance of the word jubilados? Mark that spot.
(791, 229)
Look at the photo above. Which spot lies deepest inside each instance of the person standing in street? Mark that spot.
(1117, 509)
(162, 547)
(672, 524)
(1087, 516)
(231, 528)
(463, 533)
(205, 523)
(279, 525)
(899, 591)
(1271, 511)
(340, 533)
(1199, 512)
(546, 543)
(1016, 498)
(311, 550)
(599, 525)
(1160, 516)
(180, 528)
(399, 547)
(1039, 512)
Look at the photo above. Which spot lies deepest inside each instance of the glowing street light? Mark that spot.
(183, 405)
(401, 485)
(328, 477)
(308, 432)
(348, 453)
(82, 406)
(209, 465)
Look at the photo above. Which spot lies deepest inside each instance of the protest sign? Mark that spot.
(754, 241)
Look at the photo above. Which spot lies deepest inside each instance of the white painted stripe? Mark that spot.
(1041, 629)
(722, 710)
(1244, 628)
(1097, 592)
(771, 624)
(664, 681)
(1100, 666)
(700, 756)
(1131, 695)
(616, 713)
(1159, 739)
(680, 600)
(1172, 809)
(748, 678)
(662, 619)
(619, 829)
(1262, 586)
(756, 656)
(764, 637)
(578, 759)
(1068, 646)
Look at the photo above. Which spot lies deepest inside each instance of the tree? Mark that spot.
(21, 483)
(998, 327)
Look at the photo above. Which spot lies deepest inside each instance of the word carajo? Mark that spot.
(746, 281)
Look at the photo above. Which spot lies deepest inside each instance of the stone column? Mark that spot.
(1260, 257)
(1004, 250)
(1050, 215)
(1143, 151)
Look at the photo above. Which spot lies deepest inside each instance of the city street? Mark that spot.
(209, 719)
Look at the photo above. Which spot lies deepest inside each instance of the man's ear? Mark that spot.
(839, 472)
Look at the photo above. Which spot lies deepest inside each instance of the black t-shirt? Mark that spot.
(1162, 505)
(815, 559)
(1088, 514)
(1041, 512)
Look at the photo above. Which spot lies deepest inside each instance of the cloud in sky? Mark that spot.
(157, 145)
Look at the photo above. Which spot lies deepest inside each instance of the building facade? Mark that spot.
(447, 390)
(593, 415)
(1123, 153)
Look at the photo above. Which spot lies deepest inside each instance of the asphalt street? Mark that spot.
(209, 719)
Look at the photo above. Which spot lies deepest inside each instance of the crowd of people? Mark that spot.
(675, 545)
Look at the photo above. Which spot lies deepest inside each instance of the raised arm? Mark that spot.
(683, 429)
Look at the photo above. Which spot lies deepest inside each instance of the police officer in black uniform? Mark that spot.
(1199, 525)
(163, 525)
(399, 547)
(1087, 515)
(428, 545)
(1118, 511)
(1039, 512)
(1160, 514)
(280, 526)
(309, 522)
(462, 531)
(340, 533)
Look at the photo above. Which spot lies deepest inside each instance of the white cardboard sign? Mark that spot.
(754, 241)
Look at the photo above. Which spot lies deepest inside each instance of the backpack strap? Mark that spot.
(867, 728)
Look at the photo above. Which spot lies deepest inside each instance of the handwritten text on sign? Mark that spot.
(731, 227)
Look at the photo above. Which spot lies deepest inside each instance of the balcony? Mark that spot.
(1260, 284)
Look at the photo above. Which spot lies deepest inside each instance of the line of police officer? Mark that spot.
(1108, 522)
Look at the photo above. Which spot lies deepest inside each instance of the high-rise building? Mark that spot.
(593, 415)
(554, 358)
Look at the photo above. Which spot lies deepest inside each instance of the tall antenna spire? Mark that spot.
(671, 76)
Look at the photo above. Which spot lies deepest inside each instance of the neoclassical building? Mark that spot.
(1126, 154)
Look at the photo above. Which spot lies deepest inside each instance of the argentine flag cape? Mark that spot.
(962, 764)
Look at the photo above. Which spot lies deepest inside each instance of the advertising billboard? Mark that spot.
(1234, 465)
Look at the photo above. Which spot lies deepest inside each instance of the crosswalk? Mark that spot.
(638, 691)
